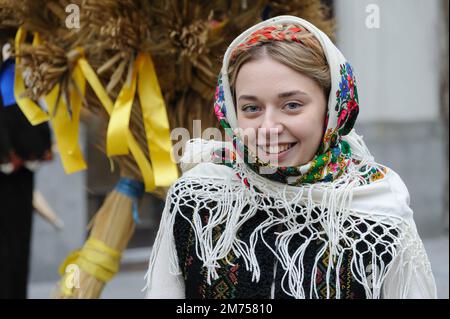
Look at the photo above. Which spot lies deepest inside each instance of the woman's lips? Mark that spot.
(275, 153)
(276, 149)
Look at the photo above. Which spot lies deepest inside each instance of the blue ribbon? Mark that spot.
(133, 189)
(7, 83)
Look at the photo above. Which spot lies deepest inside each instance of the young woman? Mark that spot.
(298, 208)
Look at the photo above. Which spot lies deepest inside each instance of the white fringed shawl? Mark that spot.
(352, 208)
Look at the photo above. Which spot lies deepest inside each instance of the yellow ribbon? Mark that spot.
(139, 156)
(116, 136)
(95, 258)
(31, 110)
(156, 122)
(162, 171)
(70, 277)
(65, 125)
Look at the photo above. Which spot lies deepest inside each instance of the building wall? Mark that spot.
(397, 70)
(397, 65)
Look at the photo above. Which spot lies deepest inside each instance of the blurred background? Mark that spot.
(399, 51)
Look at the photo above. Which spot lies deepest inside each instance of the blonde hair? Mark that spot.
(301, 52)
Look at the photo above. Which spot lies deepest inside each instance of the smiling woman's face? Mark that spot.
(285, 108)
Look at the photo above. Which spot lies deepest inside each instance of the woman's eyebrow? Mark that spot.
(281, 95)
(291, 93)
(248, 97)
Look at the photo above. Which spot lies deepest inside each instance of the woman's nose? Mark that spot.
(271, 124)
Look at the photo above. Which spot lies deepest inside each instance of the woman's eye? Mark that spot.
(251, 108)
(293, 106)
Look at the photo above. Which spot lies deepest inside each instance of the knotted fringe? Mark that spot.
(370, 239)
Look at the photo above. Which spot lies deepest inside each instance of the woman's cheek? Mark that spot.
(300, 129)
(245, 123)
(306, 129)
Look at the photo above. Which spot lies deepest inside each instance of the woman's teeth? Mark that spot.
(276, 149)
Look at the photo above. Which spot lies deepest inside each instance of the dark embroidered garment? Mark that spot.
(235, 281)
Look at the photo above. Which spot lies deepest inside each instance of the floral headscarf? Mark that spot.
(335, 153)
